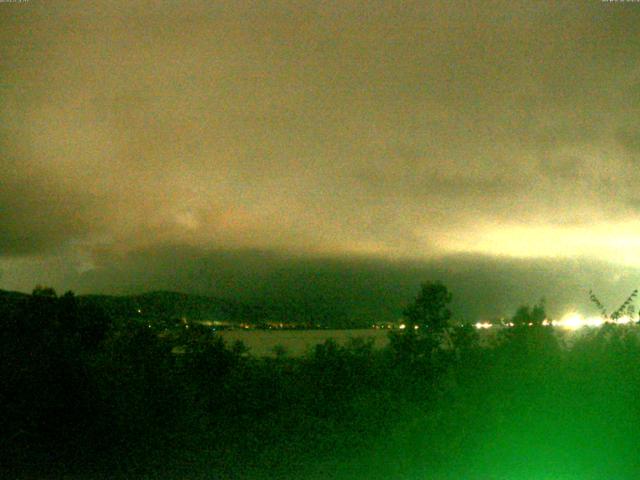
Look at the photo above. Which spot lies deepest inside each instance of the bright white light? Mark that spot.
(594, 321)
(482, 325)
(623, 320)
(571, 321)
(574, 321)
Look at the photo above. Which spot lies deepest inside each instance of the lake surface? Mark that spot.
(298, 342)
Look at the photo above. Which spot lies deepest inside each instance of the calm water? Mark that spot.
(298, 342)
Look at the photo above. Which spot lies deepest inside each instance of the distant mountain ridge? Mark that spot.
(174, 305)
(170, 305)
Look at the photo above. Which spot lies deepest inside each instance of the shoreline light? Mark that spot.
(574, 321)
(570, 321)
(483, 325)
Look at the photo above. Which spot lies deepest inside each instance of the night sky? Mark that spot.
(355, 148)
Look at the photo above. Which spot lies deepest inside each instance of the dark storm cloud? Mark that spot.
(37, 214)
(54, 217)
(362, 287)
(392, 129)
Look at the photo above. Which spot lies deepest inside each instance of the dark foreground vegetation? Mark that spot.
(83, 395)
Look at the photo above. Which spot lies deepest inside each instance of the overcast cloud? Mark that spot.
(401, 131)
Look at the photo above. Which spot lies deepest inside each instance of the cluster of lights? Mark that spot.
(571, 321)
(483, 325)
(402, 326)
(574, 321)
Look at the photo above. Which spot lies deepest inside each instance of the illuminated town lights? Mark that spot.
(483, 325)
(570, 321)
(574, 321)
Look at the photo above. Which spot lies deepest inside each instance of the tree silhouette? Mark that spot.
(626, 308)
(525, 315)
(429, 310)
(42, 291)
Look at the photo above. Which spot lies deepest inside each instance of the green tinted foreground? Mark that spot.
(89, 397)
(524, 415)
(525, 410)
